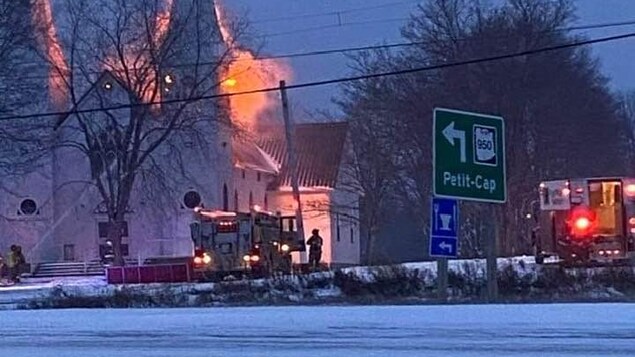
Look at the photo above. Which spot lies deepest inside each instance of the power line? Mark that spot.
(337, 80)
(358, 49)
(419, 43)
(370, 22)
(335, 13)
(341, 24)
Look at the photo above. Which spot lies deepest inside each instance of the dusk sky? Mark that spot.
(369, 22)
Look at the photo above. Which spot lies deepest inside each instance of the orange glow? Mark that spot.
(164, 18)
(246, 73)
(230, 82)
(42, 17)
(138, 68)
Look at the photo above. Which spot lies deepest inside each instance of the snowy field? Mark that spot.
(475, 330)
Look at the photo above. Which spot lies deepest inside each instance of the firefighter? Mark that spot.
(3, 269)
(12, 264)
(315, 248)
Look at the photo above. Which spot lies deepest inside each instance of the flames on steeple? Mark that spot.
(246, 72)
(42, 18)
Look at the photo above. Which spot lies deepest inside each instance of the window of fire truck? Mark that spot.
(605, 200)
(288, 224)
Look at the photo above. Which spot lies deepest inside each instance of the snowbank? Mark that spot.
(519, 279)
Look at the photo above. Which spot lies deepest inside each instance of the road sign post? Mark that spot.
(469, 164)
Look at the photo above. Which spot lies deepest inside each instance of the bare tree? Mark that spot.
(372, 170)
(135, 74)
(20, 71)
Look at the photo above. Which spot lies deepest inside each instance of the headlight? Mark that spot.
(255, 258)
(207, 259)
(246, 258)
(198, 260)
(285, 247)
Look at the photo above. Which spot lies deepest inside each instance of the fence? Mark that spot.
(146, 274)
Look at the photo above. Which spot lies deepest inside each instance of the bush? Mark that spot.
(620, 278)
(384, 282)
(513, 284)
(467, 283)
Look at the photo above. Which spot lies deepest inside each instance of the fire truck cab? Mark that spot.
(257, 243)
(587, 220)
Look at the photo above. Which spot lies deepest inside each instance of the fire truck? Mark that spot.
(253, 244)
(587, 221)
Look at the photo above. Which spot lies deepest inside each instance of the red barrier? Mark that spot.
(146, 274)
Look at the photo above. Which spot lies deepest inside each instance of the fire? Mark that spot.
(138, 68)
(42, 17)
(246, 73)
(164, 18)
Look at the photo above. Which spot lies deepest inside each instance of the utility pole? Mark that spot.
(293, 166)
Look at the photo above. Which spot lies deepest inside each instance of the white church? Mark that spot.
(56, 212)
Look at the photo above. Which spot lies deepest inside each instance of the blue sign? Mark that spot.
(444, 227)
(443, 247)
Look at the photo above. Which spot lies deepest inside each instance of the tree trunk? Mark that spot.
(369, 248)
(115, 233)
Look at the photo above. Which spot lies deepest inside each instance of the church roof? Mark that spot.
(248, 155)
(319, 150)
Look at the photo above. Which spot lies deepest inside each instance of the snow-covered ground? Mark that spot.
(10, 296)
(530, 281)
(460, 331)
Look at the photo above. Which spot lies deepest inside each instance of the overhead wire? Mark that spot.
(337, 80)
(357, 49)
(335, 13)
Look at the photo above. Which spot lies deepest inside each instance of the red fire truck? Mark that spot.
(253, 244)
(587, 220)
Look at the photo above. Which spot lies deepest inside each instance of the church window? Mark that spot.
(192, 199)
(225, 198)
(28, 207)
(236, 200)
(251, 200)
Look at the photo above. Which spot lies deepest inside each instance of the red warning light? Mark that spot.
(582, 221)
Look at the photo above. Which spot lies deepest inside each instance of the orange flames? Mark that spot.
(42, 17)
(164, 18)
(246, 73)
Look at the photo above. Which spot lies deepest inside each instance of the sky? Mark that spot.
(291, 26)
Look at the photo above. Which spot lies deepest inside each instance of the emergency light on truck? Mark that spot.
(582, 221)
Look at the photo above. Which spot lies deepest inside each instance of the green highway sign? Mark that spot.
(468, 156)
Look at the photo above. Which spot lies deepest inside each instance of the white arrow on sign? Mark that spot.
(446, 246)
(451, 134)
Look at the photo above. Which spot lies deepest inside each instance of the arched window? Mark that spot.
(225, 198)
(266, 203)
(251, 199)
(236, 200)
